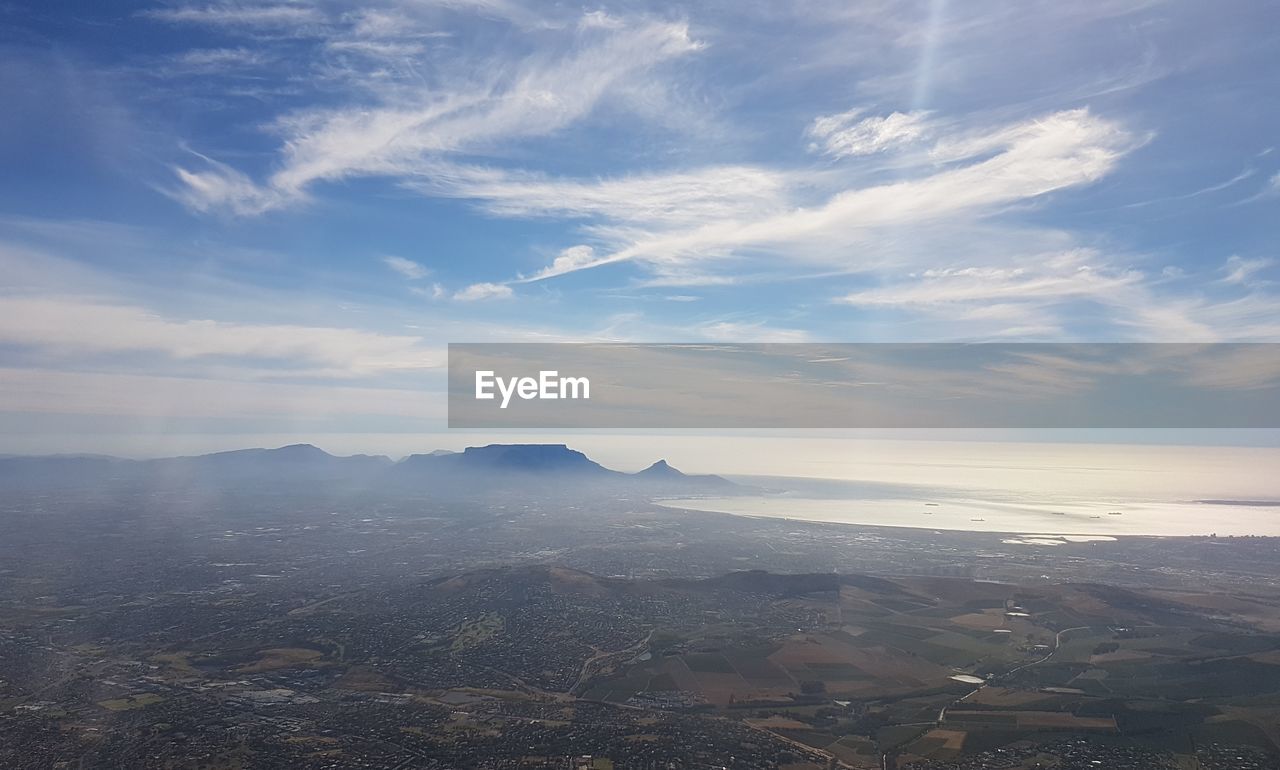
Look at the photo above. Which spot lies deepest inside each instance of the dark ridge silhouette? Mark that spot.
(542, 469)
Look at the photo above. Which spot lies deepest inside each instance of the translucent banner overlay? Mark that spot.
(862, 385)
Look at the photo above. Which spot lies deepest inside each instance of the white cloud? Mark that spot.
(1051, 278)
(270, 16)
(843, 135)
(71, 326)
(222, 188)
(434, 291)
(215, 61)
(679, 197)
(51, 391)
(1040, 297)
(1241, 271)
(601, 20)
(499, 101)
(480, 291)
(1031, 158)
(406, 267)
(937, 218)
(510, 11)
(379, 23)
(1247, 318)
(378, 49)
(1270, 190)
(744, 332)
(568, 260)
(1033, 298)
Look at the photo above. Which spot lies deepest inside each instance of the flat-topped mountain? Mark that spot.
(510, 458)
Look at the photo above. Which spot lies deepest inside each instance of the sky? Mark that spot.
(222, 220)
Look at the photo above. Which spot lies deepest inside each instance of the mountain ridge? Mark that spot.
(476, 469)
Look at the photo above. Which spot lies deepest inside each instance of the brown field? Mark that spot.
(684, 678)
(364, 679)
(718, 688)
(843, 667)
(777, 722)
(281, 657)
(1120, 656)
(1002, 697)
(957, 590)
(176, 663)
(855, 751)
(1261, 613)
(1035, 720)
(983, 621)
(883, 669)
(939, 744)
(952, 740)
(989, 620)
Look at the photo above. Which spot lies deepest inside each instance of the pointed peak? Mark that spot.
(661, 468)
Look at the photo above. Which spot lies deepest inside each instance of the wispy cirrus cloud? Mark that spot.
(1013, 164)
(406, 267)
(219, 188)
(750, 331)
(679, 197)
(409, 126)
(930, 165)
(1058, 277)
(1029, 299)
(273, 16)
(1243, 272)
(215, 61)
(1042, 297)
(850, 134)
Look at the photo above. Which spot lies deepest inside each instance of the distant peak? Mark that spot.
(661, 468)
(299, 450)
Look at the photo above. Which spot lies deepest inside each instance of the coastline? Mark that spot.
(1025, 524)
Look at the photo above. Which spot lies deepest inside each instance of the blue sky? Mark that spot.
(228, 217)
